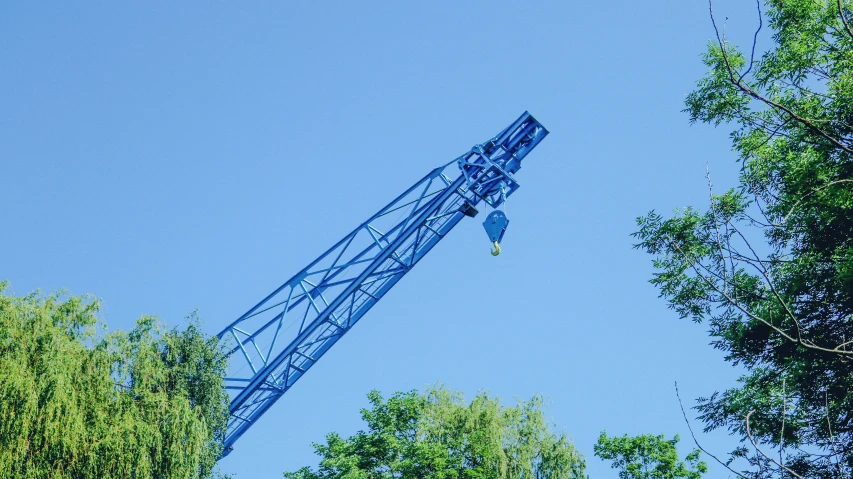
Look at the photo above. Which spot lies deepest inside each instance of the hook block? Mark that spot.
(495, 225)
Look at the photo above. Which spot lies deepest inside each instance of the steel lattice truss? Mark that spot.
(281, 337)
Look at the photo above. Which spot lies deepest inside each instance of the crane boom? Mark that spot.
(280, 338)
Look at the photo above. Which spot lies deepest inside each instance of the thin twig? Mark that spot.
(754, 40)
(717, 226)
(782, 432)
(692, 434)
(831, 437)
(752, 440)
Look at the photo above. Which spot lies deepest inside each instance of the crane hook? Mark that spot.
(495, 224)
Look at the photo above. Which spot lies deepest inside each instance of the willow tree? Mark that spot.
(768, 266)
(437, 435)
(148, 403)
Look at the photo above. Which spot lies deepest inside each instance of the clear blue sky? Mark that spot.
(170, 156)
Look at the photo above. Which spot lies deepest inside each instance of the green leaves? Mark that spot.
(144, 404)
(716, 99)
(767, 265)
(648, 457)
(437, 435)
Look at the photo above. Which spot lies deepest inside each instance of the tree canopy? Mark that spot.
(768, 266)
(649, 457)
(437, 435)
(148, 403)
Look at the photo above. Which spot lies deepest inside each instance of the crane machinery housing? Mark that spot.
(280, 338)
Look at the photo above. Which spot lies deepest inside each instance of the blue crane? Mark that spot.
(280, 338)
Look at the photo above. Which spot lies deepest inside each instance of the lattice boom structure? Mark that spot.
(281, 337)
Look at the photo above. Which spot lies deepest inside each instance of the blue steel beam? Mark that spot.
(281, 337)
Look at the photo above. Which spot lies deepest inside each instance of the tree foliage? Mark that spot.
(437, 435)
(649, 457)
(769, 265)
(145, 404)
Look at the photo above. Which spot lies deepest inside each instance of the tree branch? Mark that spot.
(763, 271)
(750, 92)
(782, 432)
(752, 440)
(807, 195)
(737, 305)
(844, 19)
(831, 437)
(754, 40)
(717, 227)
(687, 421)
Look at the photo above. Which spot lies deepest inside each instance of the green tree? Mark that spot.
(145, 404)
(649, 457)
(437, 435)
(769, 265)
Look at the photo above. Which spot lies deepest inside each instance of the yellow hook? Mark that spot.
(497, 250)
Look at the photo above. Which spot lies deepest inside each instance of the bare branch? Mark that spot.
(687, 421)
(717, 226)
(754, 40)
(752, 440)
(763, 271)
(782, 432)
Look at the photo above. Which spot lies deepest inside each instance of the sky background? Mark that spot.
(173, 156)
